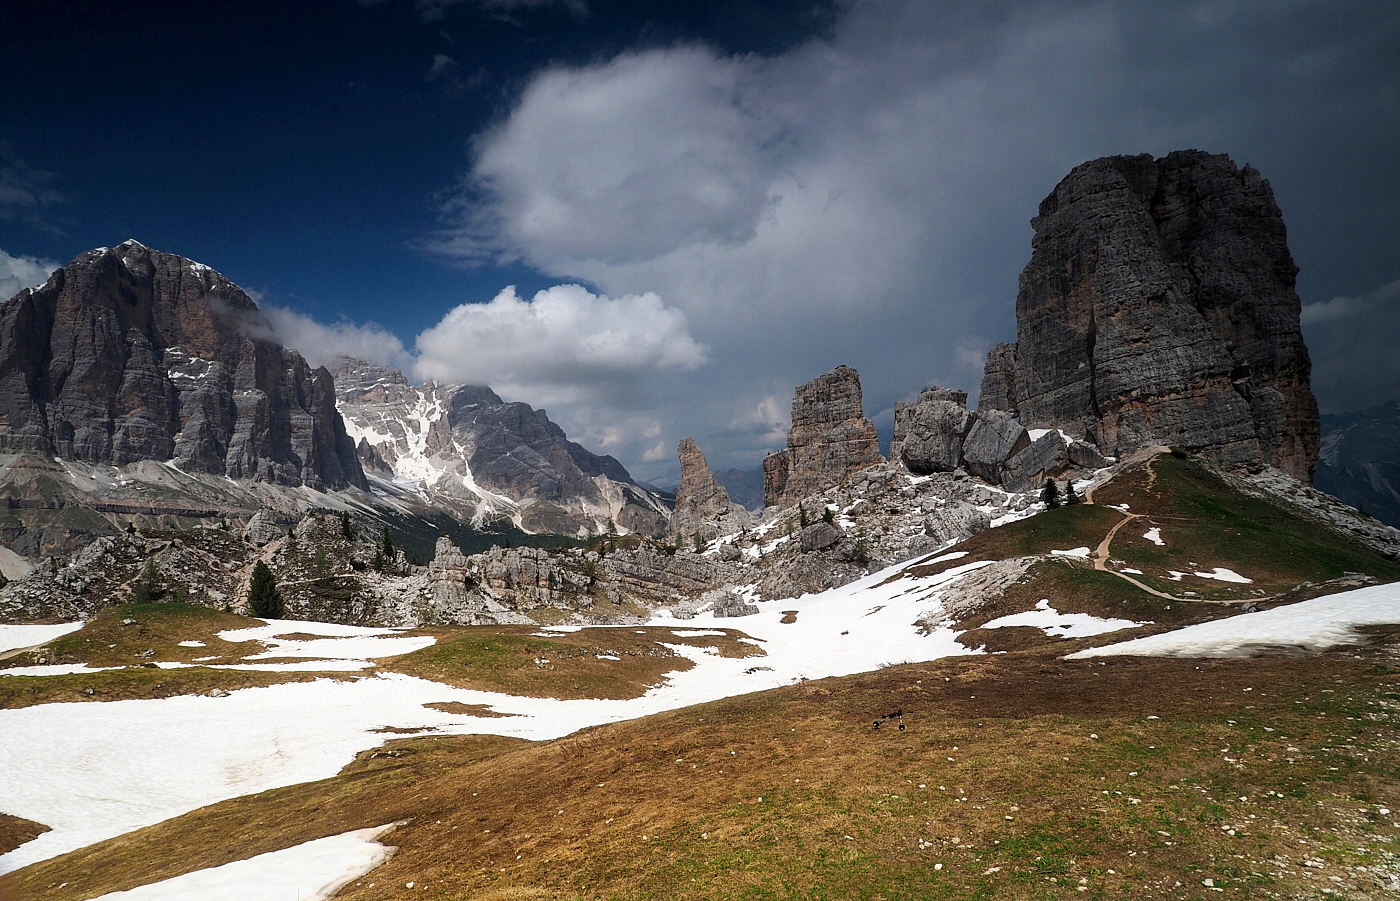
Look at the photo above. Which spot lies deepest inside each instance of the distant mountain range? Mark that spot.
(142, 385)
(1360, 460)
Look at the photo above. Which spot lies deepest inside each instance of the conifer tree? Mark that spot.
(345, 531)
(1050, 494)
(147, 589)
(264, 600)
(1070, 497)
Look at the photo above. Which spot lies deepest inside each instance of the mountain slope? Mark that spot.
(463, 445)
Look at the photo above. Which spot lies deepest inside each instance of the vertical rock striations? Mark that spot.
(702, 504)
(829, 440)
(130, 354)
(1158, 307)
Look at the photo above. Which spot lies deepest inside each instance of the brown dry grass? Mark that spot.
(1110, 772)
(520, 660)
(15, 831)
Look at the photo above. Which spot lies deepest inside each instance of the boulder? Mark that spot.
(929, 433)
(995, 437)
(955, 521)
(817, 536)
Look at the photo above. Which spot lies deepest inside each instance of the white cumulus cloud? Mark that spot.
(18, 273)
(863, 197)
(566, 344)
(319, 343)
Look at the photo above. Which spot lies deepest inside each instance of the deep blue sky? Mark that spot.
(300, 147)
(750, 192)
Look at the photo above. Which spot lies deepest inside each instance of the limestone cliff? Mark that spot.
(129, 354)
(1158, 307)
(830, 439)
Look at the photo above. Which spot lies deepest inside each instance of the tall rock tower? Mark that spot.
(830, 439)
(1159, 307)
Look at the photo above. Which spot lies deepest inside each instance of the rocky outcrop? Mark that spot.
(929, 433)
(702, 505)
(994, 438)
(1159, 308)
(130, 354)
(1050, 456)
(954, 520)
(464, 445)
(830, 439)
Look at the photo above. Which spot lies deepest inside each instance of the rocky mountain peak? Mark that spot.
(830, 439)
(464, 446)
(130, 354)
(1159, 307)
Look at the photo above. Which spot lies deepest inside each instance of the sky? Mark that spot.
(656, 219)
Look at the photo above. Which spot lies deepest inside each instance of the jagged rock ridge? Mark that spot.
(830, 440)
(463, 443)
(1158, 307)
(129, 354)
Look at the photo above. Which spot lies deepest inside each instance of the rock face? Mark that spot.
(130, 354)
(463, 445)
(702, 504)
(929, 433)
(1159, 308)
(830, 439)
(994, 438)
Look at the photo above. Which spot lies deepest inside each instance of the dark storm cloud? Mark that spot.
(863, 198)
(1353, 341)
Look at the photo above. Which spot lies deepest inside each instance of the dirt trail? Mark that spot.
(1101, 557)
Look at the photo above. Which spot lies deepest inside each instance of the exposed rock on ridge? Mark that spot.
(1158, 307)
(463, 444)
(702, 504)
(130, 354)
(830, 439)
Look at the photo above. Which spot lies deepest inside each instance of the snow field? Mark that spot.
(15, 637)
(1310, 625)
(312, 871)
(1061, 625)
(96, 770)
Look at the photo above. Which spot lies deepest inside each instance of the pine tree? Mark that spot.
(264, 600)
(699, 543)
(147, 589)
(1050, 494)
(1070, 497)
(345, 531)
(829, 516)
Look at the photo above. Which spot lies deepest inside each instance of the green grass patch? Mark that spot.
(1206, 523)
